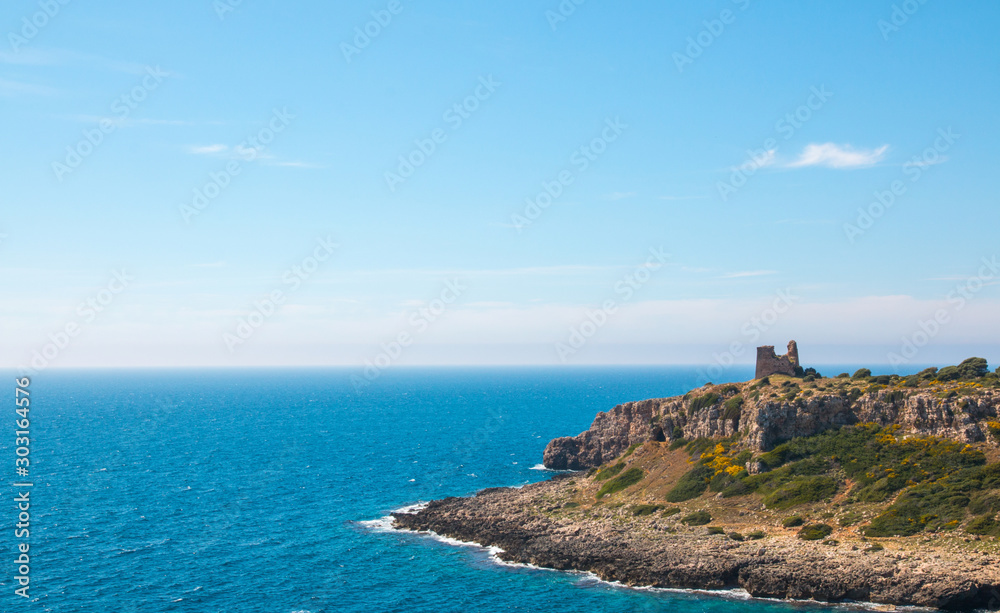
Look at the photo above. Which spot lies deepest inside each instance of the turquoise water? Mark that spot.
(255, 490)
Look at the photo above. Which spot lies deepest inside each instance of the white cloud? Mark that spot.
(748, 273)
(208, 149)
(832, 155)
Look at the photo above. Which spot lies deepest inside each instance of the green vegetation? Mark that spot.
(622, 481)
(609, 471)
(994, 428)
(815, 532)
(671, 511)
(715, 530)
(793, 521)
(756, 535)
(850, 518)
(733, 408)
(736, 536)
(703, 402)
(698, 518)
(630, 449)
(985, 525)
(861, 373)
(692, 484)
(571, 505)
(641, 510)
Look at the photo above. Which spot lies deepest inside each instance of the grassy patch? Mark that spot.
(641, 510)
(698, 518)
(692, 484)
(622, 481)
(610, 471)
(793, 521)
(715, 530)
(705, 401)
(756, 535)
(671, 511)
(815, 532)
(631, 448)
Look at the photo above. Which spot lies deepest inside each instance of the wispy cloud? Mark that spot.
(16, 88)
(831, 155)
(208, 149)
(66, 57)
(620, 195)
(131, 121)
(748, 273)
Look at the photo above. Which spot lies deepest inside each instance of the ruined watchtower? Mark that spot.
(768, 363)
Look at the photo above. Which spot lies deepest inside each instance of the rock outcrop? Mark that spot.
(769, 419)
(653, 551)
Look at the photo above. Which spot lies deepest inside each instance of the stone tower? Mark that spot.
(768, 363)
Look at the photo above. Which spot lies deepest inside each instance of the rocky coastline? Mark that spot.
(624, 519)
(530, 528)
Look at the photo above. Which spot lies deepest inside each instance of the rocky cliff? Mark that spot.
(777, 409)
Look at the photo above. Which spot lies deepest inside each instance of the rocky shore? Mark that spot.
(533, 525)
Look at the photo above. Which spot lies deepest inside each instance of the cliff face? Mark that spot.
(766, 416)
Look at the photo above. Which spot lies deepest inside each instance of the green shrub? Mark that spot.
(671, 511)
(831, 542)
(641, 510)
(729, 389)
(973, 368)
(815, 532)
(842, 375)
(703, 402)
(793, 521)
(984, 525)
(861, 373)
(571, 505)
(692, 484)
(994, 429)
(736, 536)
(756, 535)
(949, 373)
(801, 490)
(912, 381)
(850, 518)
(677, 443)
(606, 473)
(698, 518)
(715, 530)
(928, 373)
(677, 434)
(622, 481)
(733, 408)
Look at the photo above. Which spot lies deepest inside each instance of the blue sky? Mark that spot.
(812, 108)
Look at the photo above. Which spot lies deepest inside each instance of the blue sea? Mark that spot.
(261, 490)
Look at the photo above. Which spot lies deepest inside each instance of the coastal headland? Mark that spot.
(877, 489)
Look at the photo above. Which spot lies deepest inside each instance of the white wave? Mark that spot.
(544, 468)
(730, 594)
(385, 523)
